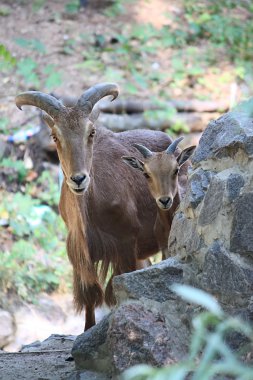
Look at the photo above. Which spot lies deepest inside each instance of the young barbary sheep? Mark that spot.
(108, 210)
(163, 173)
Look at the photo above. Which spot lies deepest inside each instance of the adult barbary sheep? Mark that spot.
(109, 212)
(162, 172)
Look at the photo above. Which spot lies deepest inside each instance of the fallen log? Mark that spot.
(131, 106)
(194, 122)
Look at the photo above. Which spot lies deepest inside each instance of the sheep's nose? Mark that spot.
(165, 201)
(78, 178)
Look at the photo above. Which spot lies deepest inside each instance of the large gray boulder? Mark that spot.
(149, 324)
(213, 227)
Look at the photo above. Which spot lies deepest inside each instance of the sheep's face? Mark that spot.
(72, 129)
(73, 134)
(161, 170)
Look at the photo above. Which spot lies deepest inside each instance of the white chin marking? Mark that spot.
(162, 207)
(78, 191)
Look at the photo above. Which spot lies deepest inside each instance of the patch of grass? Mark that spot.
(29, 71)
(37, 259)
(18, 165)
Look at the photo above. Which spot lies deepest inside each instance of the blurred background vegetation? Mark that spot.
(156, 50)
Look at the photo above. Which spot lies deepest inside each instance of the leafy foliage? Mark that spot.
(6, 57)
(72, 7)
(209, 353)
(245, 107)
(210, 19)
(18, 165)
(37, 260)
(31, 44)
(28, 69)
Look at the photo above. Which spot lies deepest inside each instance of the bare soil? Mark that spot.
(57, 30)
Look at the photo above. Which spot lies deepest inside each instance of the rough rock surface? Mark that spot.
(213, 228)
(153, 283)
(47, 360)
(139, 335)
(7, 328)
(148, 326)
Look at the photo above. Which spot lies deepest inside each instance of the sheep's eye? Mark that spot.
(176, 171)
(92, 133)
(146, 175)
(54, 138)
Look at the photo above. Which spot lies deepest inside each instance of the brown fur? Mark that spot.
(108, 210)
(112, 221)
(159, 170)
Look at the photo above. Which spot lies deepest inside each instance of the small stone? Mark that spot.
(212, 202)
(89, 349)
(227, 274)
(234, 184)
(242, 225)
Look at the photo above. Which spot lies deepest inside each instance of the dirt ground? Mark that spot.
(67, 39)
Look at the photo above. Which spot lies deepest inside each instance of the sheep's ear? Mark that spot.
(185, 155)
(134, 162)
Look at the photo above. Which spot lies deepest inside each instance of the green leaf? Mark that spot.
(38, 4)
(245, 107)
(131, 88)
(32, 44)
(72, 7)
(53, 80)
(26, 68)
(138, 372)
(6, 56)
(198, 297)
(4, 122)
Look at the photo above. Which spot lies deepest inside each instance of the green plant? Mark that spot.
(31, 44)
(245, 107)
(223, 23)
(209, 353)
(115, 9)
(53, 77)
(36, 261)
(50, 193)
(72, 7)
(17, 165)
(28, 69)
(38, 4)
(6, 58)
(27, 271)
(4, 122)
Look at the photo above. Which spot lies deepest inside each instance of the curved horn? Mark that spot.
(91, 96)
(45, 102)
(172, 147)
(143, 150)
